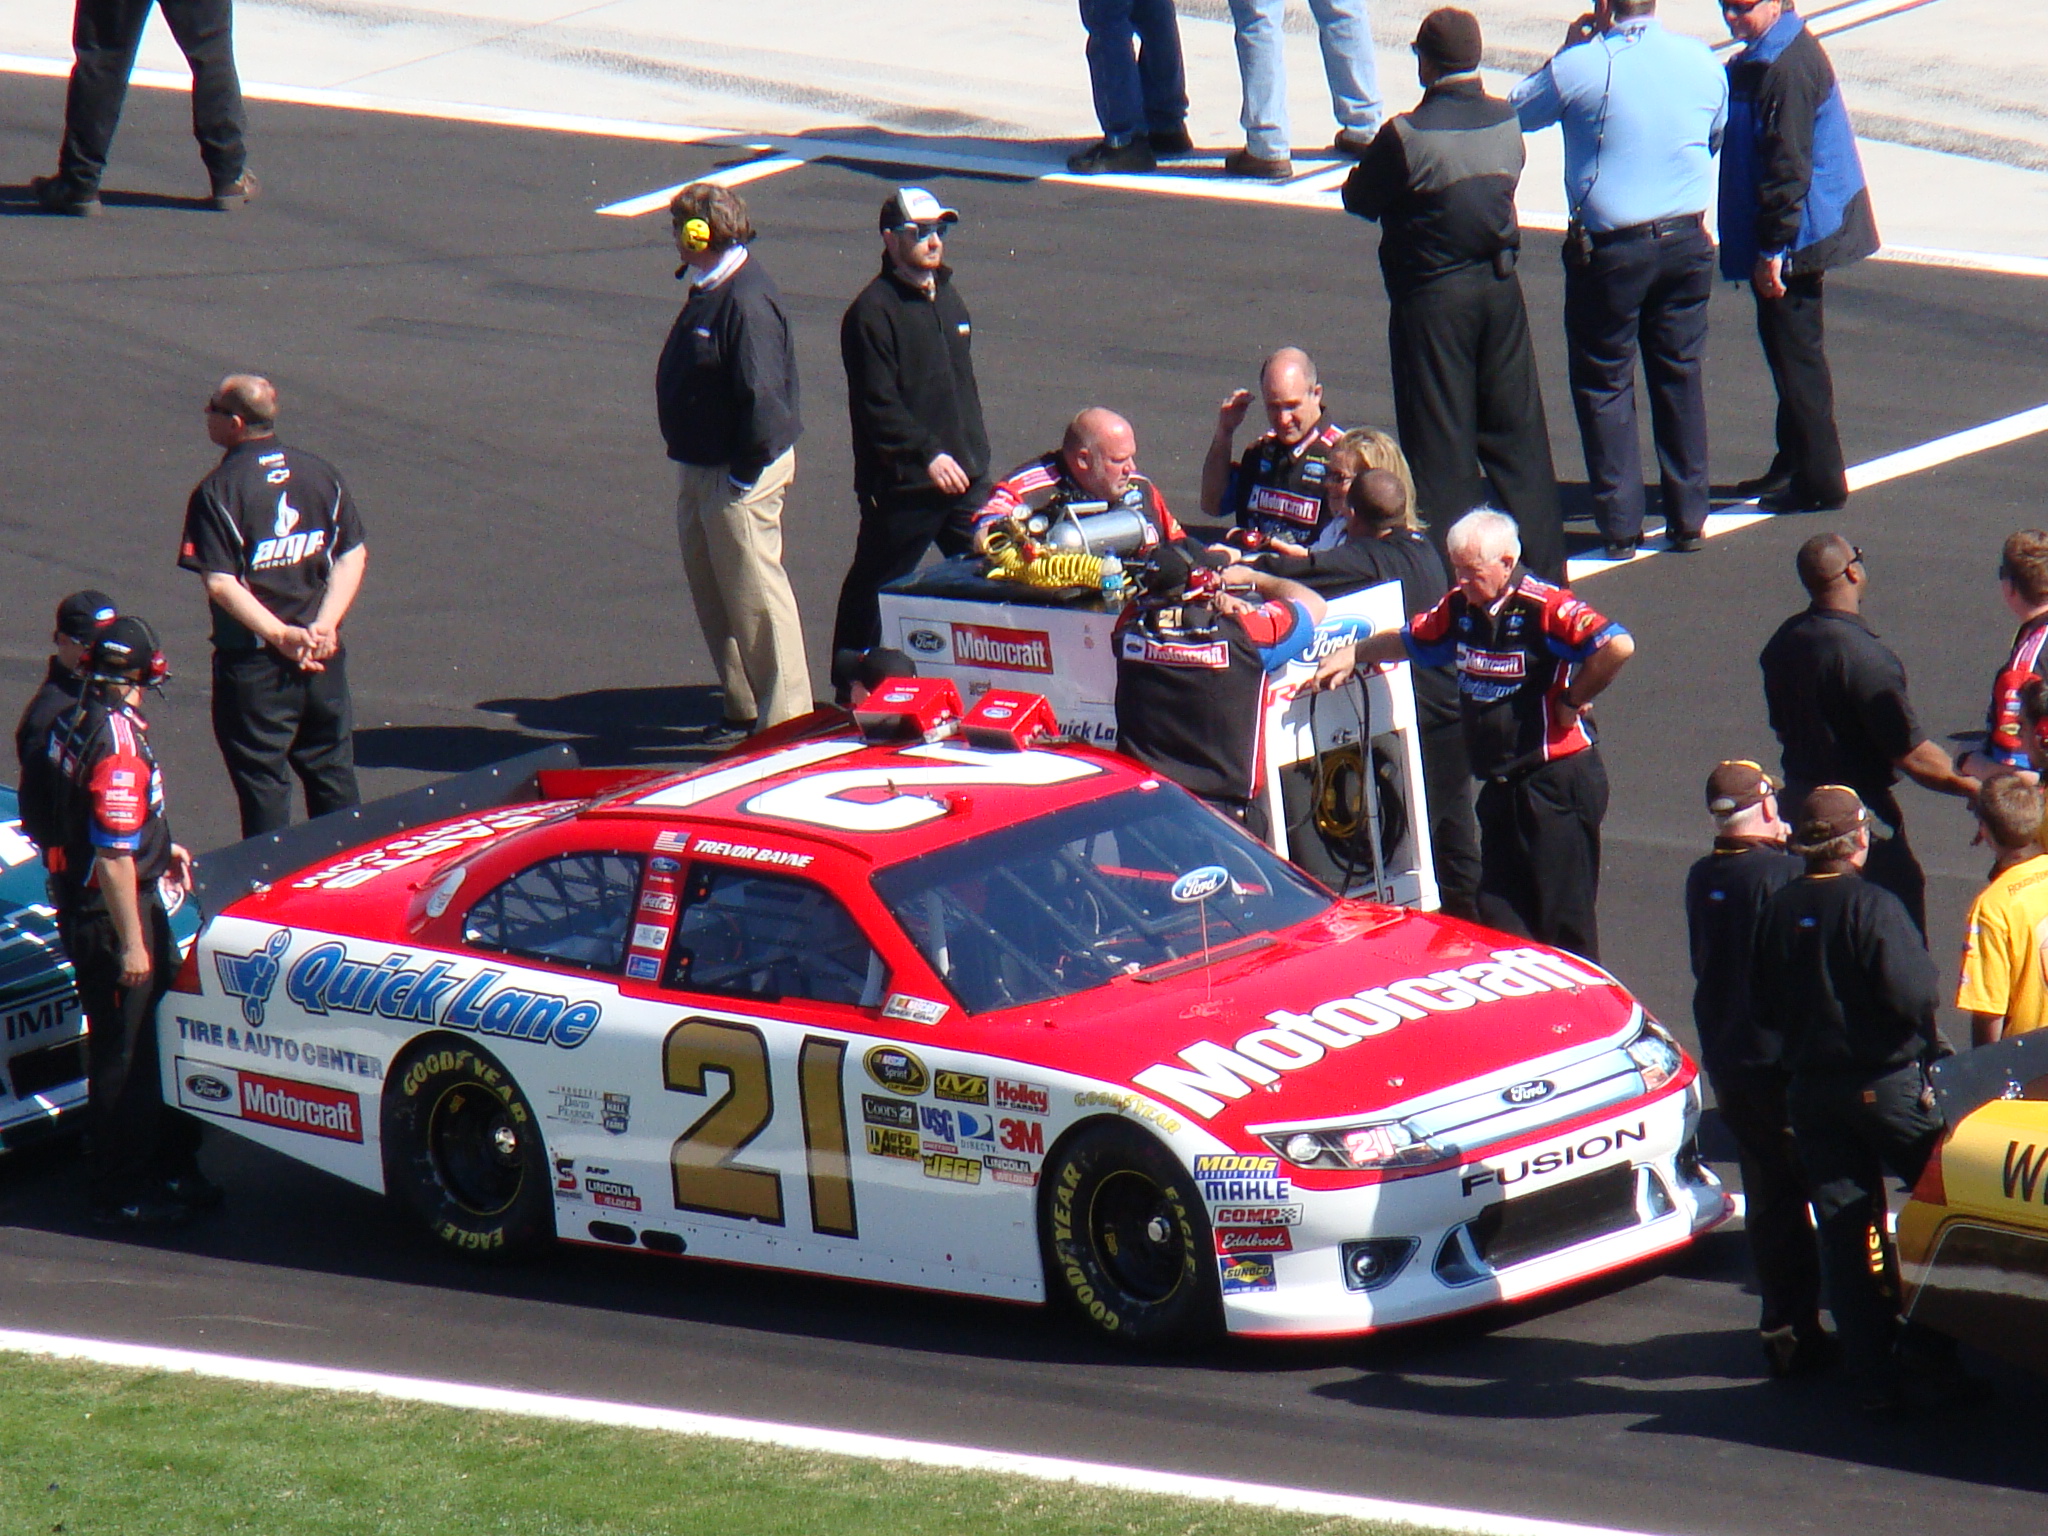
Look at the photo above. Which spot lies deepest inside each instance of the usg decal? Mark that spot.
(1209, 1074)
(325, 980)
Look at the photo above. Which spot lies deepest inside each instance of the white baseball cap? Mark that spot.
(914, 205)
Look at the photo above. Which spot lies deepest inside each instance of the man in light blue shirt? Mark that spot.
(1643, 110)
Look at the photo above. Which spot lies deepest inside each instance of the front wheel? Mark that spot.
(463, 1149)
(1126, 1237)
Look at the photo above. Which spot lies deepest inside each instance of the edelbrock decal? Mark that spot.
(1209, 1074)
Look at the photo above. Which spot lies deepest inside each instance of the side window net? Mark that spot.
(742, 934)
(575, 910)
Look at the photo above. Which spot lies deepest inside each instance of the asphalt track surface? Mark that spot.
(451, 325)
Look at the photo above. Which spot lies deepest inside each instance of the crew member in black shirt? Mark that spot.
(113, 848)
(80, 618)
(1838, 702)
(1441, 182)
(1276, 489)
(1843, 979)
(1383, 541)
(920, 449)
(1192, 661)
(275, 535)
(1725, 896)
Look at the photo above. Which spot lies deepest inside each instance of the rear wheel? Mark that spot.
(1126, 1238)
(463, 1149)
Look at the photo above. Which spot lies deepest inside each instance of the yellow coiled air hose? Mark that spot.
(1033, 565)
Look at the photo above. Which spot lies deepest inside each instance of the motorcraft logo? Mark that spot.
(1209, 1075)
(1006, 650)
(325, 980)
(253, 977)
(1268, 501)
(261, 1099)
(1213, 655)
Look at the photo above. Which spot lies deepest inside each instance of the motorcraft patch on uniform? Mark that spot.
(1213, 654)
(1268, 501)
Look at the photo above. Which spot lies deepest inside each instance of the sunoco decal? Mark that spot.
(1209, 1074)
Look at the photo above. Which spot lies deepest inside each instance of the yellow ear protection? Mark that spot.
(696, 235)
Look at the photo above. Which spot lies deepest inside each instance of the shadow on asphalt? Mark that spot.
(1706, 1386)
(608, 727)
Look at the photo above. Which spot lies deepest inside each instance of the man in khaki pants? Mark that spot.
(726, 391)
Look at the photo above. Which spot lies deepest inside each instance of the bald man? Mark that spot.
(1276, 489)
(274, 534)
(1096, 463)
(1837, 699)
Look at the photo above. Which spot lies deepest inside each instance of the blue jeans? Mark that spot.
(1348, 61)
(1137, 89)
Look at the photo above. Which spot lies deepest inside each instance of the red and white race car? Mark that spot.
(964, 1014)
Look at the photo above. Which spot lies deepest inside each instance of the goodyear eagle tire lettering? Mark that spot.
(1126, 1238)
(462, 1150)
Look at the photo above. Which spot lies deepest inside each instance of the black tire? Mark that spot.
(463, 1150)
(1126, 1237)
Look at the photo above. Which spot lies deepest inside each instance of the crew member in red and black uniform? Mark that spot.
(80, 618)
(1531, 658)
(2023, 581)
(1277, 487)
(1192, 657)
(1096, 462)
(113, 848)
(275, 534)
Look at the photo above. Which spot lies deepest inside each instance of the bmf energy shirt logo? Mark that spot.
(252, 977)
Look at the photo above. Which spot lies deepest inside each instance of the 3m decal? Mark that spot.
(1210, 1074)
(1022, 1135)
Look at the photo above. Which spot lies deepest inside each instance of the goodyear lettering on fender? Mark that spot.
(1237, 1177)
(1127, 1103)
(325, 980)
(1585, 1149)
(1209, 1074)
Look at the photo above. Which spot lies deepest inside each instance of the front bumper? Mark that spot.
(1497, 1229)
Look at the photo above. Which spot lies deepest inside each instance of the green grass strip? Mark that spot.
(87, 1450)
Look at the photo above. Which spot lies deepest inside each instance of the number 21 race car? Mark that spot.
(921, 1002)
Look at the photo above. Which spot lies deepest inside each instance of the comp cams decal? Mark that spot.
(447, 993)
(1209, 1074)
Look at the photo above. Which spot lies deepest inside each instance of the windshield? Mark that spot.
(1071, 900)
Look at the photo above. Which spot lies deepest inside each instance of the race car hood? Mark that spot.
(1364, 1009)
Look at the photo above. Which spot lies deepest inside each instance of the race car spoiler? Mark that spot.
(230, 873)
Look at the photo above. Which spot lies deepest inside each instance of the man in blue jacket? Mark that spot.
(1793, 206)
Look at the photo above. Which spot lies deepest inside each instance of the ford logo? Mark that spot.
(930, 641)
(1530, 1092)
(1201, 884)
(211, 1089)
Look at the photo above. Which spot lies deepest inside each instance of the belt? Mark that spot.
(1656, 229)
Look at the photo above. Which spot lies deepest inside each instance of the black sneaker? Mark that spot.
(1791, 1352)
(56, 195)
(1769, 483)
(1620, 549)
(1168, 142)
(146, 1211)
(1792, 500)
(1105, 158)
(727, 733)
(194, 1189)
(1682, 543)
(242, 190)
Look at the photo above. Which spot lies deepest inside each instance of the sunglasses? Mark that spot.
(934, 230)
(1738, 8)
(215, 408)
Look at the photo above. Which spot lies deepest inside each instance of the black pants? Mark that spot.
(1453, 834)
(895, 531)
(1793, 332)
(137, 1140)
(1539, 852)
(104, 36)
(1851, 1128)
(1649, 292)
(267, 716)
(1467, 401)
(1781, 1238)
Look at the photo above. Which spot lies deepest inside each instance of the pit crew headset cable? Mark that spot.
(1354, 817)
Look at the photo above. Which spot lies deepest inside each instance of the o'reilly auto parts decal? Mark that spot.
(1209, 1074)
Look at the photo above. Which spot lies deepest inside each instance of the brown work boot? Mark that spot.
(1253, 167)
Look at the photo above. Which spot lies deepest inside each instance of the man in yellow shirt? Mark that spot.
(2005, 944)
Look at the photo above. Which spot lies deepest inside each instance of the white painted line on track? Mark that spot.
(731, 176)
(1892, 466)
(833, 1442)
